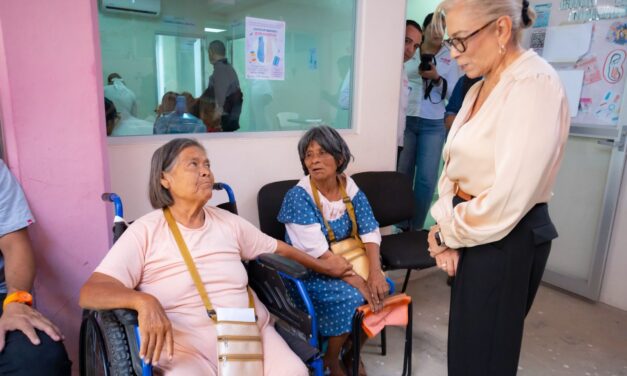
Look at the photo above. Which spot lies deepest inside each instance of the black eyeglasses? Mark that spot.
(460, 43)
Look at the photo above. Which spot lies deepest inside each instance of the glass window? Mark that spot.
(181, 66)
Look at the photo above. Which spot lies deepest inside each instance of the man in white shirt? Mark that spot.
(433, 78)
(413, 40)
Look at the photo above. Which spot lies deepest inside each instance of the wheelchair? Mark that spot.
(109, 339)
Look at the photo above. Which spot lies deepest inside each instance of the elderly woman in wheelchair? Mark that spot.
(327, 214)
(146, 272)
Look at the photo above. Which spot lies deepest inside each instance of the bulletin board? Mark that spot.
(602, 60)
(604, 73)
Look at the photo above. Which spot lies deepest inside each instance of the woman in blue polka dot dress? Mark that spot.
(324, 156)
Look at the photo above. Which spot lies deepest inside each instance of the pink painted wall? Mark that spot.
(52, 118)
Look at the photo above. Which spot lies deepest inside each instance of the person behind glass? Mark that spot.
(225, 87)
(179, 121)
(425, 132)
(206, 109)
(111, 116)
(413, 40)
(144, 270)
(324, 156)
(503, 152)
(124, 98)
(457, 98)
(167, 105)
(29, 343)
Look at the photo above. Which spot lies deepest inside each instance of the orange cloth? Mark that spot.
(394, 312)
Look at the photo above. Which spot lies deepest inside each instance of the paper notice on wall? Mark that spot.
(572, 81)
(566, 44)
(537, 40)
(543, 14)
(265, 49)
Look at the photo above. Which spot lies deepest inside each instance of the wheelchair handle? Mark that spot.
(117, 202)
(227, 188)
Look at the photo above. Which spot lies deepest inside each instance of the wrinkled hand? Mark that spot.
(430, 74)
(360, 284)
(155, 330)
(379, 288)
(18, 316)
(337, 266)
(448, 260)
(434, 248)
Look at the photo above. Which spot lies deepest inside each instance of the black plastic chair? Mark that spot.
(392, 199)
(269, 201)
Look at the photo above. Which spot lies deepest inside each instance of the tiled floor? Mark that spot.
(564, 335)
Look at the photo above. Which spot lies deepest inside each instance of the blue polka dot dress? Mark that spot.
(334, 300)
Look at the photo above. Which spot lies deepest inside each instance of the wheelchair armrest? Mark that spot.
(284, 265)
(126, 316)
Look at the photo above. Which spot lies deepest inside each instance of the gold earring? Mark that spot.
(502, 50)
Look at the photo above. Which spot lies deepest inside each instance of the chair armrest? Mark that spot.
(283, 264)
(126, 316)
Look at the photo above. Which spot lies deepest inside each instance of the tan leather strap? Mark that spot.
(191, 266)
(458, 192)
(349, 208)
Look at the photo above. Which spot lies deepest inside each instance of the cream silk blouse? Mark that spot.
(507, 156)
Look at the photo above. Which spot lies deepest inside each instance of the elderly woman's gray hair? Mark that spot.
(163, 160)
(518, 10)
(330, 141)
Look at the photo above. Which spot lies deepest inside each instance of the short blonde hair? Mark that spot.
(522, 16)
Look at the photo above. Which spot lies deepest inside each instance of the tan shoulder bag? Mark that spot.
(351, 248)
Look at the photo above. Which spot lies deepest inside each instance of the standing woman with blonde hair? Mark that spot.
(502, 155)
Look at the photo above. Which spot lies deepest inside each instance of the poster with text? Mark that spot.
(604, 75)
(265, 49)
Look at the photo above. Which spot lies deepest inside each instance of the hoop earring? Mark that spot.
(502, 50)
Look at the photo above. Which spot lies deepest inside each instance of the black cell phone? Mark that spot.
(425, 62)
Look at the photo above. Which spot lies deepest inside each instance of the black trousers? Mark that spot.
(492, 293)
(21, 358)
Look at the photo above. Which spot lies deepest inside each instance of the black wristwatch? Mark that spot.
(438, 239)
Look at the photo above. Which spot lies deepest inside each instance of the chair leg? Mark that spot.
(318, 367)
(406, 280)
(357, 319)
(408, 341)
(384, 343)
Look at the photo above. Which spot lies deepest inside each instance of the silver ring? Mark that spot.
(443, 265)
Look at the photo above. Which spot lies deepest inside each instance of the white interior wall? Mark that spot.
(614, 288)
(248, 161)
(417, 10)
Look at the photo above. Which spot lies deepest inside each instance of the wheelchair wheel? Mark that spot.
(104, 346)
(93, 355)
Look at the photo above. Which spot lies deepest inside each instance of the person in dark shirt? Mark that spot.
(224, 87)
(457, 98)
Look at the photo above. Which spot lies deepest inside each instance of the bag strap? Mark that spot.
(191, 266)
(349, 208)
